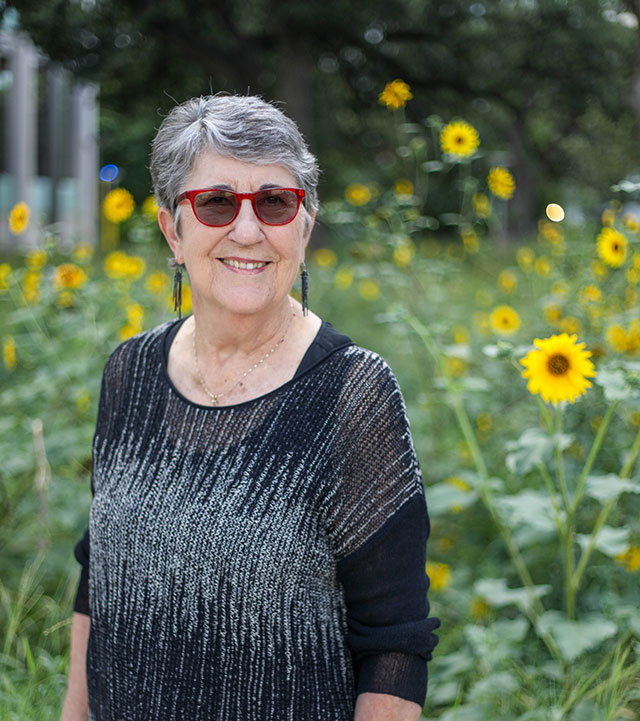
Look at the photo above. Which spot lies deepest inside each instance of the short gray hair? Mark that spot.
(244, 127)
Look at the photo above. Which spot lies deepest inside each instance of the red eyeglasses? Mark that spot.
(216, 207)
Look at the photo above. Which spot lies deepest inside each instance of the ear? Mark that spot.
(165, 221)
(311, 219)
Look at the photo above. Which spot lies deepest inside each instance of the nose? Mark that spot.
(246, 227)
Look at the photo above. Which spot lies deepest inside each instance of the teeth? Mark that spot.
(247, 266)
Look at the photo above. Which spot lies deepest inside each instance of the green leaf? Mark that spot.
(534, 446)
(604, 488)
(575, 637)
(499, 641)
(530, 513)
(432, 166)
(610, 541)
(442, 497)
(617, 384)
(496, 593)
(496, 685)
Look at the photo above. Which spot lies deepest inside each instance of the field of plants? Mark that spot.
(521, 373)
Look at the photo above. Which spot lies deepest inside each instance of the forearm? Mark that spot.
(76, 703)
(385, 707)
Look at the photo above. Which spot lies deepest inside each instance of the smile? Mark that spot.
(244, 266)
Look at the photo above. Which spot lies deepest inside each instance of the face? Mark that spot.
(211, 255)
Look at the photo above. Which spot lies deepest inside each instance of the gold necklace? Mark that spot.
(214, 396)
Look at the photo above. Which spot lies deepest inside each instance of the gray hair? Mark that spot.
(244, 127)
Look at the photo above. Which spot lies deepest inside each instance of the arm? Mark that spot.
(385, 707)
(76, 704)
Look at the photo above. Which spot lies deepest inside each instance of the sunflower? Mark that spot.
(325, 258)
(504, 320)
(501, 183)
(118, 205)
(69, 276)
(369, 289)
(9, 352)
(612, 247)
(357, 194)
(481, 205)
(343, 277)
(19, 218)
(460, 139)
(507, 281)
(630, 559)
(395, 95)
(439, 575)
(150, 207)
(558, 369)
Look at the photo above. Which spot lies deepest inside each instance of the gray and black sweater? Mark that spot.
(263, 561)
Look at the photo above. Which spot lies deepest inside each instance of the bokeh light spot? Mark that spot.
(108, 173)
(555, 212)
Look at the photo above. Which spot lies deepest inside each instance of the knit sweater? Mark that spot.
(264, 560)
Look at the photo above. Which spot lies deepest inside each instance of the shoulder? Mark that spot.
(366, 376)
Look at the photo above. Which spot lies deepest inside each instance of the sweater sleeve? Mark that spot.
(379, 525)
(81, 550)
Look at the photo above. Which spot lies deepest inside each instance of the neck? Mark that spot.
(227, 335)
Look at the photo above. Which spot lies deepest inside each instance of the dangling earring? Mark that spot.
(177, 292)
(304, 275)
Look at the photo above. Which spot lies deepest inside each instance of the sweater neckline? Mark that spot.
(326, 342)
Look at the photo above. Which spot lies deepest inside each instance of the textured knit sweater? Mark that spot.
(255, 562)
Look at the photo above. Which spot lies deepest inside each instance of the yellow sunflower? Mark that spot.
(481, 205)
(369, 289)
(630, 559)
(357, 194)
(69, 276)
(460, 139)
(507, 281)
(395, 95)
(504, 320)
(558, 369)
(19, 218)
(325, 257)
(157, 282)
(439, 575)
(9, 352)
(501, 183)
(612, 247)
(150, 207)
(118, 205)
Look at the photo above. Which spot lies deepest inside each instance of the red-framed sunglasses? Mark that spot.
(216, 207)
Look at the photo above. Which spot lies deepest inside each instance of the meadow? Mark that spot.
(532, 481)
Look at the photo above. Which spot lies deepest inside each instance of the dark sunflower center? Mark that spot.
(616, 247)
(557, 364)
(459, 140)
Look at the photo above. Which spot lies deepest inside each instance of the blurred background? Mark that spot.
(553, 88)
(480, 192)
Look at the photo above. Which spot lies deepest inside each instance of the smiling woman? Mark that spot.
(257, 536)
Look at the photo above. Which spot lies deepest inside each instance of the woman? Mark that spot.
(258, 524)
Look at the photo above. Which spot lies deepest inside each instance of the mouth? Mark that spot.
(243, 264)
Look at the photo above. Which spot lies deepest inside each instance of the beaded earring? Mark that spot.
(177, 292)
(304, 275)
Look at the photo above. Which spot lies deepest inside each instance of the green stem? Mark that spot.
(592, 456)
(546, 416)
(568, 536)
(552, 496)
(476, 453)
(559, 466)
(604, 514)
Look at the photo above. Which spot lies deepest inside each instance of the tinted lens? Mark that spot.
(276, 206)
(215, 207)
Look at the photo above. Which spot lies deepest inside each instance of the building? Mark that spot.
(49, 146)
